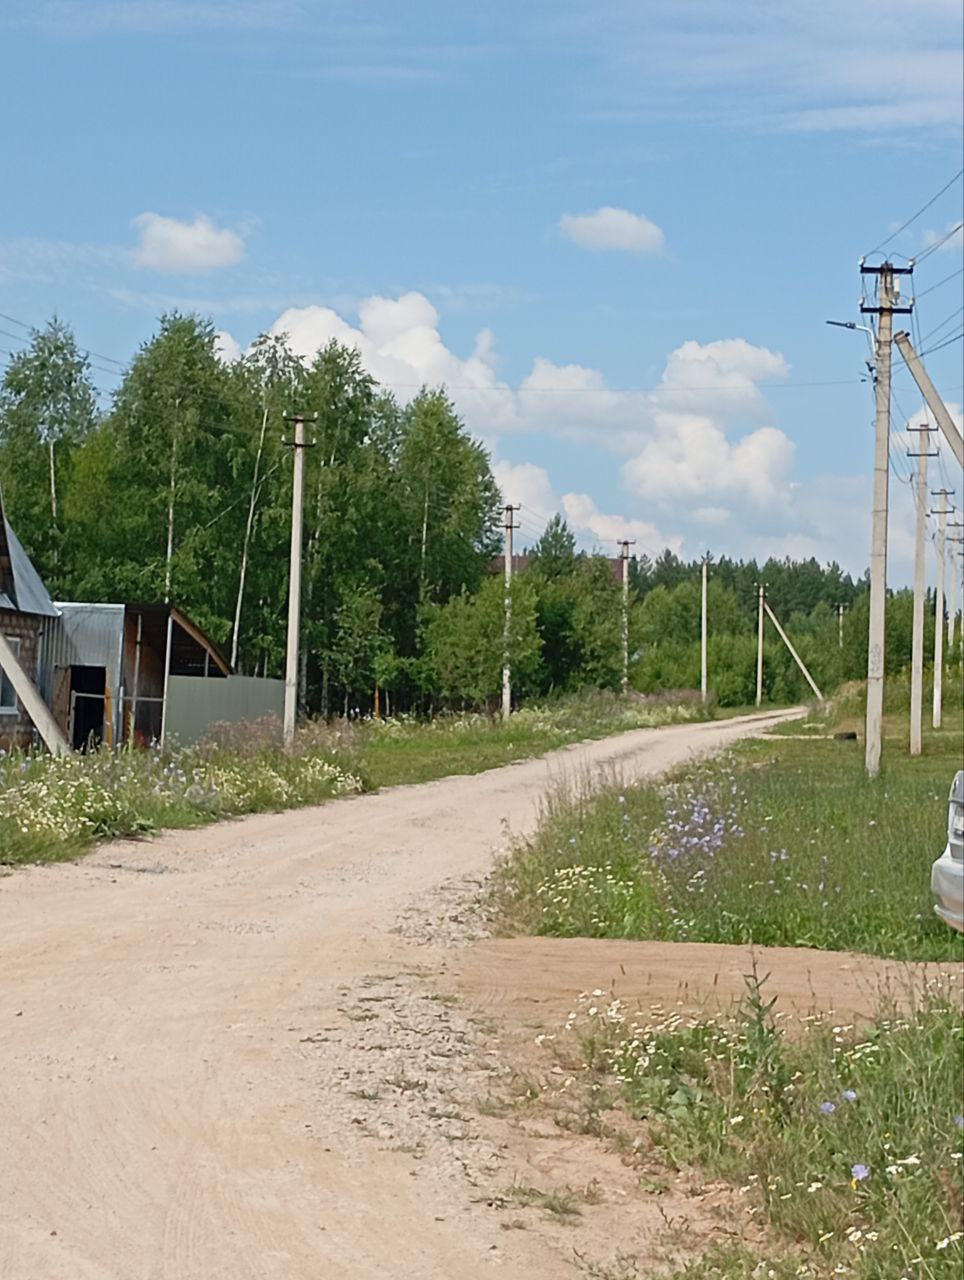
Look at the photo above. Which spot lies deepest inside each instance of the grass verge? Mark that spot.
(53, 809)
(845, 1142)
(782, 842)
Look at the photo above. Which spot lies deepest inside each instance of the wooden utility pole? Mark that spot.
(761, 602)
(884, 307)
(942, 513)
(704, 682)
(294, 574)
(508, 526)
(624, 546)
(917, 646)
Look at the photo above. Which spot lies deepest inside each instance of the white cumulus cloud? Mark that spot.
(612, 229)
(529, 487)
(185, 248)
(697, 449)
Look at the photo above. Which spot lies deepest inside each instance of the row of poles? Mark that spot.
(764, 611)
(886, 305)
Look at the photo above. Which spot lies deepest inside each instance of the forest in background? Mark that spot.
(181, 490)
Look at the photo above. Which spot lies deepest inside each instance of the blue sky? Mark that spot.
(613, 229)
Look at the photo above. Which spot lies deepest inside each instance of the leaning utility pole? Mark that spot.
(931, 395)
(704, 681)
(793, 653)
(761, 605)
(624, 545)
(884, 309)
(294, 575)
(917, 646)
(942, 513)
(508, 526)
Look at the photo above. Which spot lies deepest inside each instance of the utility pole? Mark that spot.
(508, 525)
(761, 605)
(703, 672)
(942, 513)
(958, 556)
(884, 308)
(917, 647)
(624, 545)
(954, 541)
(841, 610)
(294, 574)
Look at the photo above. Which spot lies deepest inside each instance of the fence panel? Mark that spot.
(194, 703)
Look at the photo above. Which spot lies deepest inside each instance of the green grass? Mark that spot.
(780, 842)
(844, 1142)
(398, 752)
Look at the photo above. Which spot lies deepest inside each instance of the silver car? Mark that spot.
(947, 873)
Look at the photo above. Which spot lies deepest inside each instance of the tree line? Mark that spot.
(180, 489)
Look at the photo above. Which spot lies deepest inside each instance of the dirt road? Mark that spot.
(195, 1030)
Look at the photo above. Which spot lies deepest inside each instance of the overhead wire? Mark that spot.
(88, 351)
(930, 289)
(932, 248)
(941, 345)
(923, 209)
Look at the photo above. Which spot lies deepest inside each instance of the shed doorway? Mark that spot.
(88, 687)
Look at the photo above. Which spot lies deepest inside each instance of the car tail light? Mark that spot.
(955, 818)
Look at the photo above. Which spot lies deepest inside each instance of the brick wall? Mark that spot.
(18, 730)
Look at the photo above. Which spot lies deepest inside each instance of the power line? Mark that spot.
(937, 243)
(937, 328)
(931, 288)
(88, 351)
(922, 209)
(940, 346)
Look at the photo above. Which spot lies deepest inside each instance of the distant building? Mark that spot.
(114, 673)
(25, 611)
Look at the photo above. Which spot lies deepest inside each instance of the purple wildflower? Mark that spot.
(849, 1095)
(827, 1108)
(959, 1122)
(858, 1173)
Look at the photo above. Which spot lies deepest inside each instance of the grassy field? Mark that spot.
(53, 809)
(780, 842)
(404, 751)
(844, 1143)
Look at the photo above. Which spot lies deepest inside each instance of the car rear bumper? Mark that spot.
(947, 886)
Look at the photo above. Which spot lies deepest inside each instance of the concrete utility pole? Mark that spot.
(508, 525)
(624, 545)
(942, 513)
(954, 541)
(704, 683)
(294, 575)
(933, 400)
(841, 610)
(793, 653)
(884, 309)
(761, 603)
(917, 648)
(958, 557)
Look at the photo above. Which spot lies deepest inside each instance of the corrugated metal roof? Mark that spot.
(29, 593)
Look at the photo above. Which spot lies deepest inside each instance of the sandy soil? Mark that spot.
(259, 1050)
